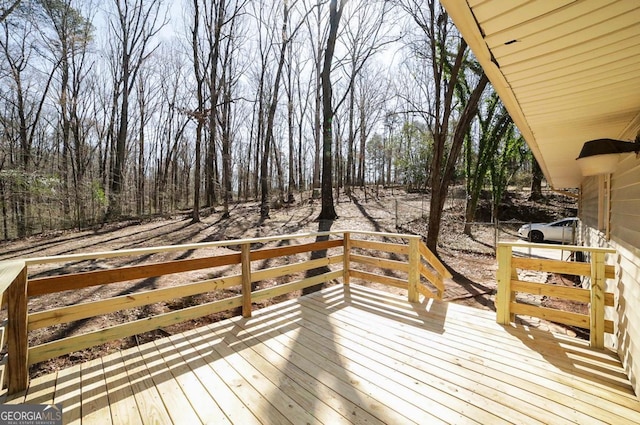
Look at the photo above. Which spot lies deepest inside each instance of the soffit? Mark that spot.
(568, 71)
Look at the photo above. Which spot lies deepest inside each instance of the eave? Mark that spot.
(568, 71)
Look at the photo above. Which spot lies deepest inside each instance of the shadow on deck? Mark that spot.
(349, 354)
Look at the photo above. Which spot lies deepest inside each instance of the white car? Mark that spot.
(563, 231)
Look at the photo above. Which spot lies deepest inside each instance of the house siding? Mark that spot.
(588, 207)
(624, 236)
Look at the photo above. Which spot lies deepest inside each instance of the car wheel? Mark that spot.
(536, 236)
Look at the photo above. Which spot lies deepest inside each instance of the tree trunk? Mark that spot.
(328, 211)
(348, 180)
(323, 226)
(226, 152)
(140, 176)
(536, 180)
(199, 115)
(493, 129)
(317, 124)
(440, 180)
(249, 182)
(264, 182)
(3, 202)
(134, 26)
(64, 165)
(291, 185)
(363, 146)
(279, 174)
(210, 165)
(117, 172)
(214, 30)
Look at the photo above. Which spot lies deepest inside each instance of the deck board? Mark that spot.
(348, 355)
(252, 398)
(325, 361)
(67, 392)
(95, 401)
(193, 351)
(559, 373)
(192, 389)
(169, 389)
(360, 358)
(438, 390)
(524, 392)
(123, 405)
(274, 368)
(344, 397)
(147, 396)
(439, 371)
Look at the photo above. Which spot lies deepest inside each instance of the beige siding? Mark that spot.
(625, 204)
(625, 238)
(589, 202)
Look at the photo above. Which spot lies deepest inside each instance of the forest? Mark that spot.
(134, 108)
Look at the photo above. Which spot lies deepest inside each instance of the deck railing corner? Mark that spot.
(13, 284)
(597, 271)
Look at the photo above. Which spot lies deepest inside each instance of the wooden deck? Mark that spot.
(349, 355)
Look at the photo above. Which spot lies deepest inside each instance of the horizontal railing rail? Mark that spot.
(227, 275)
(509, 284)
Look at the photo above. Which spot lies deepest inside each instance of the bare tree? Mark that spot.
(212, 56)
(303, 105)
(147, 97)
(132, 28)
(297, 108)
(199, 114)
(173, 124)
(317, 35)
(286, 36)
(73, 34)
(264, 163)
(370, 98)
(227, 84)
(7, 10)
(25, 102)
(328, 211)
(445, 53)
(365, 35)
(264, 48)
(291, 184)
(215, 20)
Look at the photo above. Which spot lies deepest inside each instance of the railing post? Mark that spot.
(17, 342)
(514, 276)
(596, 331)
(503, 297)
(245, 256)
(414, 270)
(346, 262)
(397, 220)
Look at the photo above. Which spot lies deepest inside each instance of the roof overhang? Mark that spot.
(568, 71)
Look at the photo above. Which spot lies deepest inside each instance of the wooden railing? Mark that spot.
(233, 275)
(13, 276)
(596, 270)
